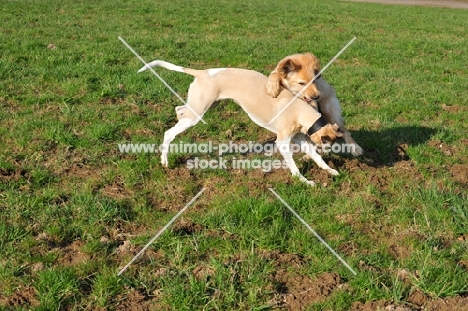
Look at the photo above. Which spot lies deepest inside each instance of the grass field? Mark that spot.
(74, 210)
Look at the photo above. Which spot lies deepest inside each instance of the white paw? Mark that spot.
(333, 172)
(305, 180)
(164, 160)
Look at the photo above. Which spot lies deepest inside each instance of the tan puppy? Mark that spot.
(299, 122)
(293, 73)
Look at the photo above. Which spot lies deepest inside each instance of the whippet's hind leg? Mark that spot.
(170, 134)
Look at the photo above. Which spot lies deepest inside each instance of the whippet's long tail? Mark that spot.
(167, 65)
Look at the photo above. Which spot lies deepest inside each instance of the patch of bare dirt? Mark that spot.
(457, 303)
(72, 254)
(215, 186)
(116, 190)
(399, 251)
(23, 297)
(11, 174)
(67, 162)
(133, 301)
(454, 108)
(381, 177)
(416, 300)
(282, 259)
(186, 227)
(378, 306)
(126, 248)
(368, 306)
(225, 235)
(317, 175)
(350, 248)
(459, 173)
(111, 100)
(203, 272)
(442, 147)
(120, 239)
(79, 170)
(297, 292)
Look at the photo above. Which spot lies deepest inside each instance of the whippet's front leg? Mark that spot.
(284, 147)
(310, 149)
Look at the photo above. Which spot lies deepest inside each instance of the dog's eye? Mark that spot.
(326, 139)
(302, 83)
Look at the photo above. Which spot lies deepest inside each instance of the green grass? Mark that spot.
(73, 210)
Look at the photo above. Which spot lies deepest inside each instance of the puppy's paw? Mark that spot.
(310, 183)
(357, 151)
(273, 88)
(273, 84)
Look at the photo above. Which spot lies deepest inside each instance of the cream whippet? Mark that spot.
(299, 122)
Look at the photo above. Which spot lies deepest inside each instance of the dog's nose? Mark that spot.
(315, 97)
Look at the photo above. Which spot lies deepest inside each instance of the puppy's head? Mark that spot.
(296, 71)
(326, 135)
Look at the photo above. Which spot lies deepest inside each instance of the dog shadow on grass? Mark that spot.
(382, 148)
(385, 147)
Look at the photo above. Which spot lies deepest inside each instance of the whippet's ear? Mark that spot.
(286, 66)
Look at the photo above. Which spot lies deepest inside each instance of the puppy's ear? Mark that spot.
(316, 72)
(339, 132)
(274, 84)
(313, 62)
(287, 66)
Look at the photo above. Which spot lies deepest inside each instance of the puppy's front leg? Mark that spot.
(284, 147)
(274, 84)
(356, 150)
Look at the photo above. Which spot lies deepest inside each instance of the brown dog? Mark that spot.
(293, 73)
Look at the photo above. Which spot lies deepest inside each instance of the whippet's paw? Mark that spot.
(333, 172)
(304, 180)
(164, 160)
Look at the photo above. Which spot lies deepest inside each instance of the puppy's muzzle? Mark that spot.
(307, 99)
